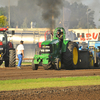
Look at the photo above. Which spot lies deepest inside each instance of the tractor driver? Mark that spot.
(60, 36)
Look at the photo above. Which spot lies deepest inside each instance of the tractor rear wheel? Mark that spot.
(47, 66)
(57, 64)
(70, 57)
(11, 62)
(34, 66)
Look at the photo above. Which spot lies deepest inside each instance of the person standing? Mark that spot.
(20, 53)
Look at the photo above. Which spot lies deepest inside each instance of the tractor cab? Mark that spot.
(4, 34)
(62, 32)
(2, 37)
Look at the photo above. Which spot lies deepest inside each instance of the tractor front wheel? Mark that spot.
(57, 64)
(98, 62)
(1, 62)
(34, 66)
(47, 66)
(7, 63)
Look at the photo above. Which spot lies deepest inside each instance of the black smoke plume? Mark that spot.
(50, 10)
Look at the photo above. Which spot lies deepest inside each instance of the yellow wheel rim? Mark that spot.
(59, 64)
(75, 55)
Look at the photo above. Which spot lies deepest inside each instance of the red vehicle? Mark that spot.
(7, 51)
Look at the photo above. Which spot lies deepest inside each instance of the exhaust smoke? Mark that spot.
(50, 11)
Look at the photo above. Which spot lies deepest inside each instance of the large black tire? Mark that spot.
(97, 64)
(11, 62)
(7, 63)
(1, 62)
(47, 66)
(34, 66)
(70, 57)
(57, 64)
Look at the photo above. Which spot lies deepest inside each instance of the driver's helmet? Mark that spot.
(59, 31)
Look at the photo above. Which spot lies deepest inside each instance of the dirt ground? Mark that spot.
(65, 93)
(27, 72)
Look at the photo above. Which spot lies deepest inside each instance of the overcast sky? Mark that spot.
(93, 4)
(6, 2)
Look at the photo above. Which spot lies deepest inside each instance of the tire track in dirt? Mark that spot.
(27, 72)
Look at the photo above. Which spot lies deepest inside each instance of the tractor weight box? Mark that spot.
(83, 59)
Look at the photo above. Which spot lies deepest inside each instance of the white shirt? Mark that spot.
(20, 47)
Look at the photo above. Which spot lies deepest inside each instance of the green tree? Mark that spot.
(3, 11)
(3, 21)
(78, 18)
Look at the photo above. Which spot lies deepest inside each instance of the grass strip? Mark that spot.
(48, 82)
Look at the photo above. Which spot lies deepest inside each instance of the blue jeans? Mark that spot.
(20, 60)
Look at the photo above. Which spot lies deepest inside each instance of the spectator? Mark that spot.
(20, 53)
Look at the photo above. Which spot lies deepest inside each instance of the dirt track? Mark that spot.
(67, 93)
(27, 72)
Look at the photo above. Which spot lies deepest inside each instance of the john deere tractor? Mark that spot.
(54, 56)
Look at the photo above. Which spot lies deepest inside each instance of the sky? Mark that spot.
(93, 5)
(6, 2)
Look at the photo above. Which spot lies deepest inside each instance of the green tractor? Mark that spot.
(52, 56)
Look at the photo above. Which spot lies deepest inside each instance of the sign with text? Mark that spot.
(89, 36)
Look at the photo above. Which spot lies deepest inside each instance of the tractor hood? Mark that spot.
(47, 42)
